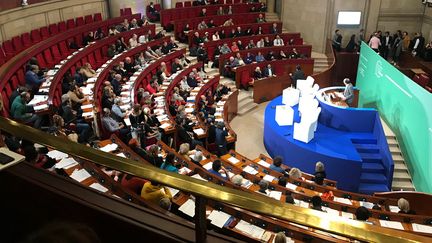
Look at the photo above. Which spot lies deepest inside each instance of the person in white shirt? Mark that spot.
(215, 36)
(260, 43)
(278, 41)
(142, 39)
(133, 41)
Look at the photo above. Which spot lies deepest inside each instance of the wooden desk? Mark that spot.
(269, 88)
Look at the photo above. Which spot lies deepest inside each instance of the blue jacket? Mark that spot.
(33, 80)
(170, 168)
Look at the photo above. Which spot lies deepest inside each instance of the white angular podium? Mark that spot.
(290, 96)
(304, 131)
(284, 115)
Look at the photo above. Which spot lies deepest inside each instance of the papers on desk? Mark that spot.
(159, 111)
(165, 125)
(199, 131)
(80, 175)
(184, 171)
(301, 203)
(250, 170)
(57, 155)
(391, 224)
(125, 107)
(263, 163)
(275, 194)
(189, 110)
(121, 155)
(162, 117)
(331, 211)
(249, 229)
(342, 200)
(37, 99)
(98, 187)
(91, 80)
(66, 162)
(233, 160)
(219, 119)
(269, 178)
(246, 183)
(173, 191)
(347, 215)
(422, 228)
(217, 114)
(51, 72)
(88, 106)
(86, 90)
(190, 99)
(291, 186)
(87, 114)
(188, 208)
(109, 148)
(218, 218)
(368, 205)
(127, 121)
(197, 176)
(394, 209)
(208, 166)
(40, 107)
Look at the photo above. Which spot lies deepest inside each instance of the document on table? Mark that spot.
(275, 194)
(208, 166)
(98, 187)
(38, 98)
(422, 228)
(250, 170)
(57, 155)
(233, 160)
(121, 155)
(342, 200)
(65, 162)
(80, 175)
(189, 110)
(199, 131)
(394, 209)
(127, 121)
(184, 170)
(87, 114)
(218, 218)
(347, 215)
(40, 107)
(268, 178)
(391, 224)
(165, 125)
(109, 148)
(246, 183)
(301, 203)
(197, 176)
(263, 163)
(173, 191)
(88, 106)
(188, 208)
(368, 205)
(291, 186)
(331, 211)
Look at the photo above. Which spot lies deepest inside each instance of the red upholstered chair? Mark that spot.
(21, 76)
(127, 11)
(421, 79)
(64, 50)
(91, 60)
(236, 1)
(44, 32)
(8, 48)
(121, 12)
(79, 21)
(228, 1)
(17, 43)
(26, 40)
(41, 61)
(187, 4)
(53, 29)
(97, 17)
(158, 7)
(70, 23)
(35, 36)
(62, 26)
(179, 5)
(88, 19)
(49, 58)
(56, 53)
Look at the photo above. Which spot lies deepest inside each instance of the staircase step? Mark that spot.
(364, 141)
(367, 148)
(404, 185)
(400, 167)
(246, 108)
(372, 168)
(375, 178)
(401, 175)
(394, 149)
(397, 157)
(368, 188)
(371, 157)
(392, 141)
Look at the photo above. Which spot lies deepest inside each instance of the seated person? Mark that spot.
(295, 173)
(362, 214)
(234, 47)
(278, 41)
(238, 32)
(270, 56)
(251, 45)
(282, 55)
(202, 25)
(116, 111)
(276, 166)
(260, 19)
(153, 12)
(33, 81)
(20, 112)
(404, 206)
(249, 58)
(228, 22)
(88, 71)
(294, 54)
(320, 173)
(316, 203)
(258, 74)
(211, 24)
(260, 43)
(197, 157)
(259, 57)
(225, 49)
(268, 71)
(169, 163)
(192, 81)
(176, 66)
(155, 192)
(113, 126)
(274, 29)
(152, 87)
(267, 42)
(219, 170)
(263, 186)
(282, 181)
(153, 156)
(248, 32)
(88, 39)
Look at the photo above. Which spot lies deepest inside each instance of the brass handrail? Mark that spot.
(255, 203)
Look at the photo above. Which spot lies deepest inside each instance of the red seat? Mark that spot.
(64, 50)
(21, 76)
(79, 39)
(228, 1)
(421, 79)
(44, 32)
(53, 29)
(236, 1)
(179, 5)
(127, 12)
(26, 40)
(80, 21)
(70, 24)
(56, 53)
(15, 82)
(48, 58)
(97, 17)
(17, 43)
(35, 36)
(187, 4)
(5, 112)
(158, 7)
(62, 26)
(91, 60)
(88, 19)
(41, 61)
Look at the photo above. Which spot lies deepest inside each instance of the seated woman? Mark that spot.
(197, 157)
(169, 163)
(263, 186)
(282, 55)
(88, 71)
(320, 173)
(234, 47)
(155, 192)
(184, 150)
(295, 173)
(404, 206)
(152, 87)
(258, 74)
(316, 203)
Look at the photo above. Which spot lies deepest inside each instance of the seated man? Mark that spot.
(176, 66)
(249, 58)
(269, 72)
(278, 41)
(260, 19)
(316, 203)
(19, 110)
(259, 57)
(276, 166)
(113, 126)
(192, 81)
(155, 192)
(33, 81)
(217, 168)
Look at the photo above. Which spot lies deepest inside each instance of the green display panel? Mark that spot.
(405, 106)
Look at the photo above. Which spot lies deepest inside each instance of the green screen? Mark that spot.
(405, 106)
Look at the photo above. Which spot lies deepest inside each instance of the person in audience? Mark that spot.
(294, 54)
(316, 203)
(228, 22)
(77, 97)
(229, 10)
(155, 192)
(263, 186)
(169, 163)
(153, 156)
(108, 97)
(237, 180)
(17, 92)
(202, 55)
(418, 44)
(192, 81)
(99, 34)
(362, 214)
(184, 150)
(133, 41)
(276, 166)
(295, 173)
(232, 34)
(219, 170)
(215, 36)
(153, 12)
(202, 25)
(261, 19)
(270, 56)
(352, 45)
(117, 112)
(20, 112)
(225, 49)
(348, 94)
(220, 138)
(220, 11)
(124, 26)
(133, 24)
(197, 157)
(282, 55)
(112, 51)
(160, 34)
(120, 46)
(374, 43)
(282, 181)
(263, 7)
(320, 173)
(239, 59)
(248, 32)
(222, 34)
(33, 81)
(406, 40)
(87, 71)
(280, 237)
(87, 39)
(183, 132)
(269, 72)
(80, 79)
(249, 58)
(165, 203)
(251, 45)
(274, 29)
(258, 74)
(116, 85)
(176, 66)
(260, 43)
(278, 41)
(113, 31)
(234, 47)
(298, 74)
(72, 117)
(259, 31)
(113, 126)
(404, 206)
(259, 57)
(211, 24)
(267, 42)
(152, 87)
(238, 32)
(150, 55)
(337, 40)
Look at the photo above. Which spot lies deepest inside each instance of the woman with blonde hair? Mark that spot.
(404, 206)
(88, 71)
(295, 173)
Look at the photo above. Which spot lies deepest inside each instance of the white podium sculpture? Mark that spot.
(303, 131)
(284, 115)
(305, 84)
(290, 96)
(306, 104)
(312, 117)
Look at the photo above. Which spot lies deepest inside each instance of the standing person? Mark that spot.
(375, 43)
(419, 43)
(360, 37)
(352, 45)
(348, 94)
(397, 48)
(298, 74)
(220, 139)
(337, 40)
(406, 40)
(387, 42)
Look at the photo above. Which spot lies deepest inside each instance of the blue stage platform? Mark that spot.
(349, 141)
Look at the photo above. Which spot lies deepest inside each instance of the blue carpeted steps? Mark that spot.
(372, 178)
